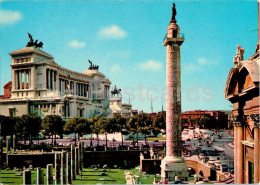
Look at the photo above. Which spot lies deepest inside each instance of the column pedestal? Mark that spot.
(173, 166)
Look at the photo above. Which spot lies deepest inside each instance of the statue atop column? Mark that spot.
(33, 43)
(174, 13)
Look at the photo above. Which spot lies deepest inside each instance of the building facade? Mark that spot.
(39, 85)
(242, 90)
(218, 119)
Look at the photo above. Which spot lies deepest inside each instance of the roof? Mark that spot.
(30, 50)
(253, 69)
(93, 72)
(8, 84)
(251, 66)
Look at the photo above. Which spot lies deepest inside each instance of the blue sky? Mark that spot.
(125, 38)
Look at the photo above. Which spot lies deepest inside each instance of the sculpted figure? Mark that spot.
(174, 13)
(33, 43)
(92, 66)
(239, 55)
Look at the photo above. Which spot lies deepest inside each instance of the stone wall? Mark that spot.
(37, 160)
(123, 158)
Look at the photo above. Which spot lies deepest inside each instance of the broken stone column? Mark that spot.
(77, 160)
(39, 176)
(63, 167)
(7, 150)
(68, 168)
(57, 167)
(49, 176)
(81, 155)
(14, 142)
(27, 177)
(72, 151)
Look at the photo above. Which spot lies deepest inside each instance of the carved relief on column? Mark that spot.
(255, 118)
(236, 121)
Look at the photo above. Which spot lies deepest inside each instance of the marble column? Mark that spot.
(27, 177)
(57, 82)
(57, 168)
(256, 151)
(49, 175)
(13, 80)
(16, 79)
(68, 168)
(172, 165)
(240, 154)
(53, 82)
(29, 79)
(235, 156)
(21, 80)
(33, 77)
(77, 160)
(72, 151)
(63, 168)
(39, 176)
(24, 83)
(49, 78)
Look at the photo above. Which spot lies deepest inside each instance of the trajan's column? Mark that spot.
(173, 165)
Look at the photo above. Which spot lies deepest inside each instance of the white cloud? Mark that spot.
(76, 44)
(151, 65)
(112, 32)
(203, 61)
(115, 68)
(9, 17)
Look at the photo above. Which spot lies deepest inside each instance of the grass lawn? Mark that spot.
(9, 177)
(89, 176)
(113, 176)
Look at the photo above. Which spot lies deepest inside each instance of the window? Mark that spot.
(12, 112)
(250, 173)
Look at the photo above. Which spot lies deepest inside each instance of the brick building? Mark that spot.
(218, 119)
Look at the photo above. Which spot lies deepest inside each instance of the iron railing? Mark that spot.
(181, 35)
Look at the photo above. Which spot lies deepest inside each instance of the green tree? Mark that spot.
(144, 123)
(7, 126)
(205, 122)
(120, 125)
(159, 123)
(106, 126)
(53, 124)
(132, 126)
(77, 125)
(92, 122)
(96, 127)
(28, 126)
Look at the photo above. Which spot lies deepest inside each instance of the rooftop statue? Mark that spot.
(174, 13)
(33, 43)
(239, 56)
(115, 91)
(92, 66)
